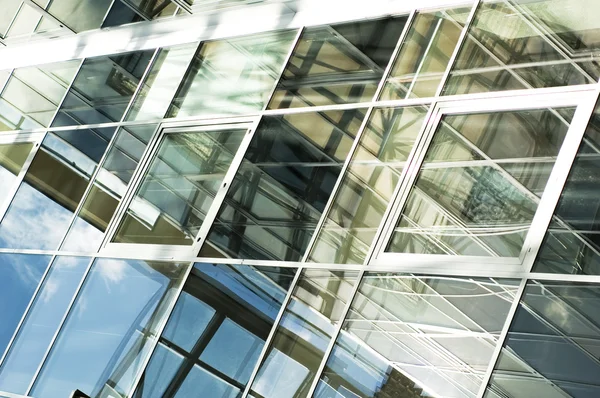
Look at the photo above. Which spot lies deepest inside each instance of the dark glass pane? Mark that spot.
(216, 331)
(417, 336)
(279, 193)
(338, 64)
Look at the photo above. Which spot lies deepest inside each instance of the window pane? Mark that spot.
(368, 184)
(12, 159)
(519, 44)
(232, 76)
(108, 188)
(303, 334)
(216, 331)
(338, 64)
(552, 345)
(413, 336)
(109, 329)
(102, 89)
(179, 187)
(41, 210)
(480, 183)
(279, 193)
(41, 323)
(425, 53)
(79, 15)
(19, 277)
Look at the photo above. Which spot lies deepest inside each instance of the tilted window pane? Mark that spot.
(138, 10)
(110, 329)
(415, 336)
(41, 210)
(303, 334)
(9, 11)
(552, 345)
(425, 53)
(164, 78)
(78, 15)
(108, 188)
(518, 44)
(19, 277)
(338, 64)
(572, 243)
(233, 76)
(480, 183)
(367, 187)
(179, 187)
(41, 323)
(278, 195)
(12, 159)
(216, 331)
(102, 89)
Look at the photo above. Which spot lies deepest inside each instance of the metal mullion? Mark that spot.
(183, 5)
(5, 81)
(61, 324)
(502, 338)
(417, 73)
(462, 40)
(269, 339)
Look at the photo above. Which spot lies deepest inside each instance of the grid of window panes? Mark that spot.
(404, 206)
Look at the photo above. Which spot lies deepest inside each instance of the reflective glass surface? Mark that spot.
(216, 331)
(552, 345)
(424, 54)
(518, 44)
(303, 334)
(368, 184)
(78, 15)
(480, 183)
(12, 159)
(417, 336)
(179, 187)
(280, 190)
(42, 321)
(20, 275)
(108, 188)
(338, 64)
(128, 11)
(102, 89)
(109, 330)
(54, 184)
(232, 76)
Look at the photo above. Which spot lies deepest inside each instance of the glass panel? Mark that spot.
(9, 10)
(110, 328)
(417, 336)
(41, 323)
(572, 243)
(163, 80)
(466, 201)
(12, 159)
(425, 53)
(31, 95)
(102, 89)
(79, 15)
(179, 187)
(233, 76)
(517, 44)
(304, 333)
(108, 188)
(553, 344)
(216, 331)
(19, 277)
(43, 206)
(338, 64)
(138, 10)
(367, 187)
(278, 195)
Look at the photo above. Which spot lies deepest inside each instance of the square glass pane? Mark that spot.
(520, 44)
(368, 185)
(232, 76)
(338, 64)
(424, 54)
(280, 190)
(553, 344)
(415, 336)
(179, 187)
(480, 183)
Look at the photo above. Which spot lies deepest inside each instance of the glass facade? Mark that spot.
(294, 199)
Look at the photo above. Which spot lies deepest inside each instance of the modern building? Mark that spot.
(299, 198)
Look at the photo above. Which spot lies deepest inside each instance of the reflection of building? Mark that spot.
(290, 199)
